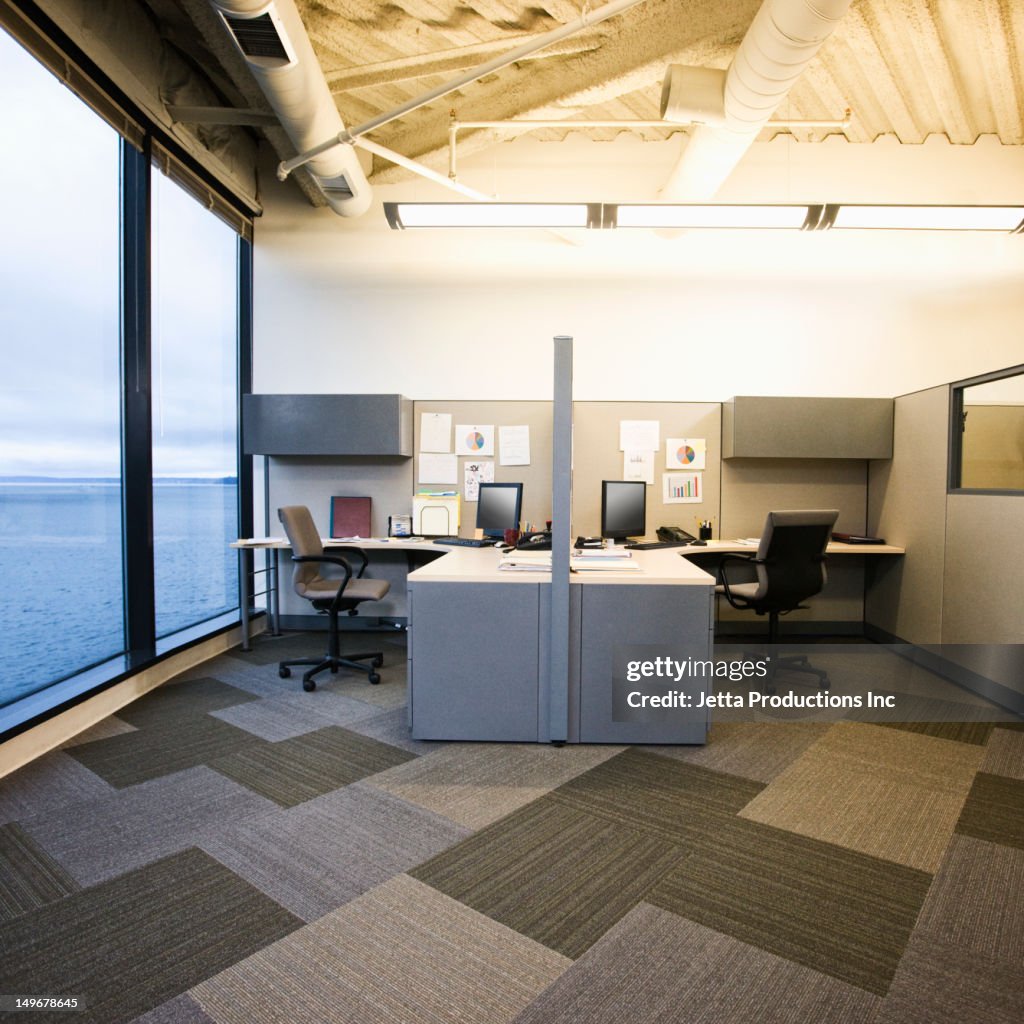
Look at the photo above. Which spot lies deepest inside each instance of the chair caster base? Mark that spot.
(284, 673)
(374, 678)
(308, 685)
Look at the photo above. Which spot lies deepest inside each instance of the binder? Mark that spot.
(350, 517)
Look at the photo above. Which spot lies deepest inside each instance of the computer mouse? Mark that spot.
(698, 544)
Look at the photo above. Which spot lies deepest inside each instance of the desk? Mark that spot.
(479, 657)
(730, 547)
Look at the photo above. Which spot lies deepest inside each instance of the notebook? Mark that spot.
(350, 517)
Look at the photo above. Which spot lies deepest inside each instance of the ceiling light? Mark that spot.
(929, 218)
(493, 215)
(682, 215)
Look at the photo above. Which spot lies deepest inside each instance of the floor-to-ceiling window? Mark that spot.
(60, 384)
(120, 338)
(195, 422)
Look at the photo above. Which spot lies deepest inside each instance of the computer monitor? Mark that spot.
(623, 509)
(499, 508)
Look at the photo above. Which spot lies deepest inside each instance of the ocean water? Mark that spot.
(60, 564)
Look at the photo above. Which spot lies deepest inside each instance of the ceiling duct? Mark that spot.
(782, 40)
(274, 43)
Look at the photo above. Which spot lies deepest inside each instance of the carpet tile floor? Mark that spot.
(230, 849)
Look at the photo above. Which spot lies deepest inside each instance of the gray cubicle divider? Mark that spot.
(561, 500)
(536, 477)
(597, 458)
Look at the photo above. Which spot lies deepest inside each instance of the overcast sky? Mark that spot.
(59, 323)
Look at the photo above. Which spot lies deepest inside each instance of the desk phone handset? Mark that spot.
(540, 541)
(675, 534)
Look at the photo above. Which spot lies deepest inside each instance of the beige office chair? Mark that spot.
(790, 567)
(332, 595)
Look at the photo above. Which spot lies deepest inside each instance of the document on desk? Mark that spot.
(526, 561)
(603, 565)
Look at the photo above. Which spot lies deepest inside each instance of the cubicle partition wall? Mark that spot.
(961, 583)
(535, 477)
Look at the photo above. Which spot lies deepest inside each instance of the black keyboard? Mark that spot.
(463, 542)
(654, 545)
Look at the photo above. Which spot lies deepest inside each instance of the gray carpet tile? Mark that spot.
(994, 810)
(48, 784)
(133, 943)
(289, 715)
(29, 878)
(977, 900)
(401, 954)
(393, 727)
(671, 800)
(110, 726)
(132, 827)
(196, 696)
(1004, 754)
(181, 1009)
(296, 770)
(654, 967)
(940, 983)
(836, 911)
(753, 750)
(325, 852)
(477, 783)
(179, 742)
(558, 875)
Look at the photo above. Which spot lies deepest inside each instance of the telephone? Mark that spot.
(540, 541)
(676, 534)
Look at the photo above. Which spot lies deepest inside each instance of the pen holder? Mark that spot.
(511, 538)
(705, 533)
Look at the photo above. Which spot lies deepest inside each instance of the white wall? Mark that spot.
(352, 306)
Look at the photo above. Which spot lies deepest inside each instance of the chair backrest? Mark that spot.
(792, 553)
(305, 541)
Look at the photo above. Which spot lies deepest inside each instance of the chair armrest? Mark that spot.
(333, 560)
(364, 561)
(724, 580)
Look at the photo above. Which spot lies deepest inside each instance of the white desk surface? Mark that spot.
(834, 548)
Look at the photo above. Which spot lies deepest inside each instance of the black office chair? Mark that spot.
(790, 566)
(330, 595)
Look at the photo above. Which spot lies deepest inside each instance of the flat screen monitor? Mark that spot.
(499, 508)
(623, 509)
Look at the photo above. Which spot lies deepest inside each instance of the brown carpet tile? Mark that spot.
(180, 742)
(401, 954)
(189, 697)
(973, 900)
(307, 766)
(29, 877)
(1004, 754)
(136, 941)
(994, 810)
(654, 967)
(561, 876)
(837, 911)
(673, 801)
(940, 983)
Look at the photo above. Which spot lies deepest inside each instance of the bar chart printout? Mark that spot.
(682, 488)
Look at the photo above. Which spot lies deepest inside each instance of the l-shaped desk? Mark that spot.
(479, 650)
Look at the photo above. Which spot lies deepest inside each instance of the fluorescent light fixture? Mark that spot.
(930, 218)
(493, 215)
(682, 215)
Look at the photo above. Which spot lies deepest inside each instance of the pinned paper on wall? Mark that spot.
(438, 469)
(683, 488)
(638, 465)
(514, 446)
(436, 432)
(639, 435)
(472, 439)
(475, 474)
(685, 453)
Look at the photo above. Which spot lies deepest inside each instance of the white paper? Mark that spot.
(685, 452)
(638, 465)
(514, 446)
(473, 439)
(438, 469)
(639, 435)
(475, 474)
(436, 432)
(683, 488)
